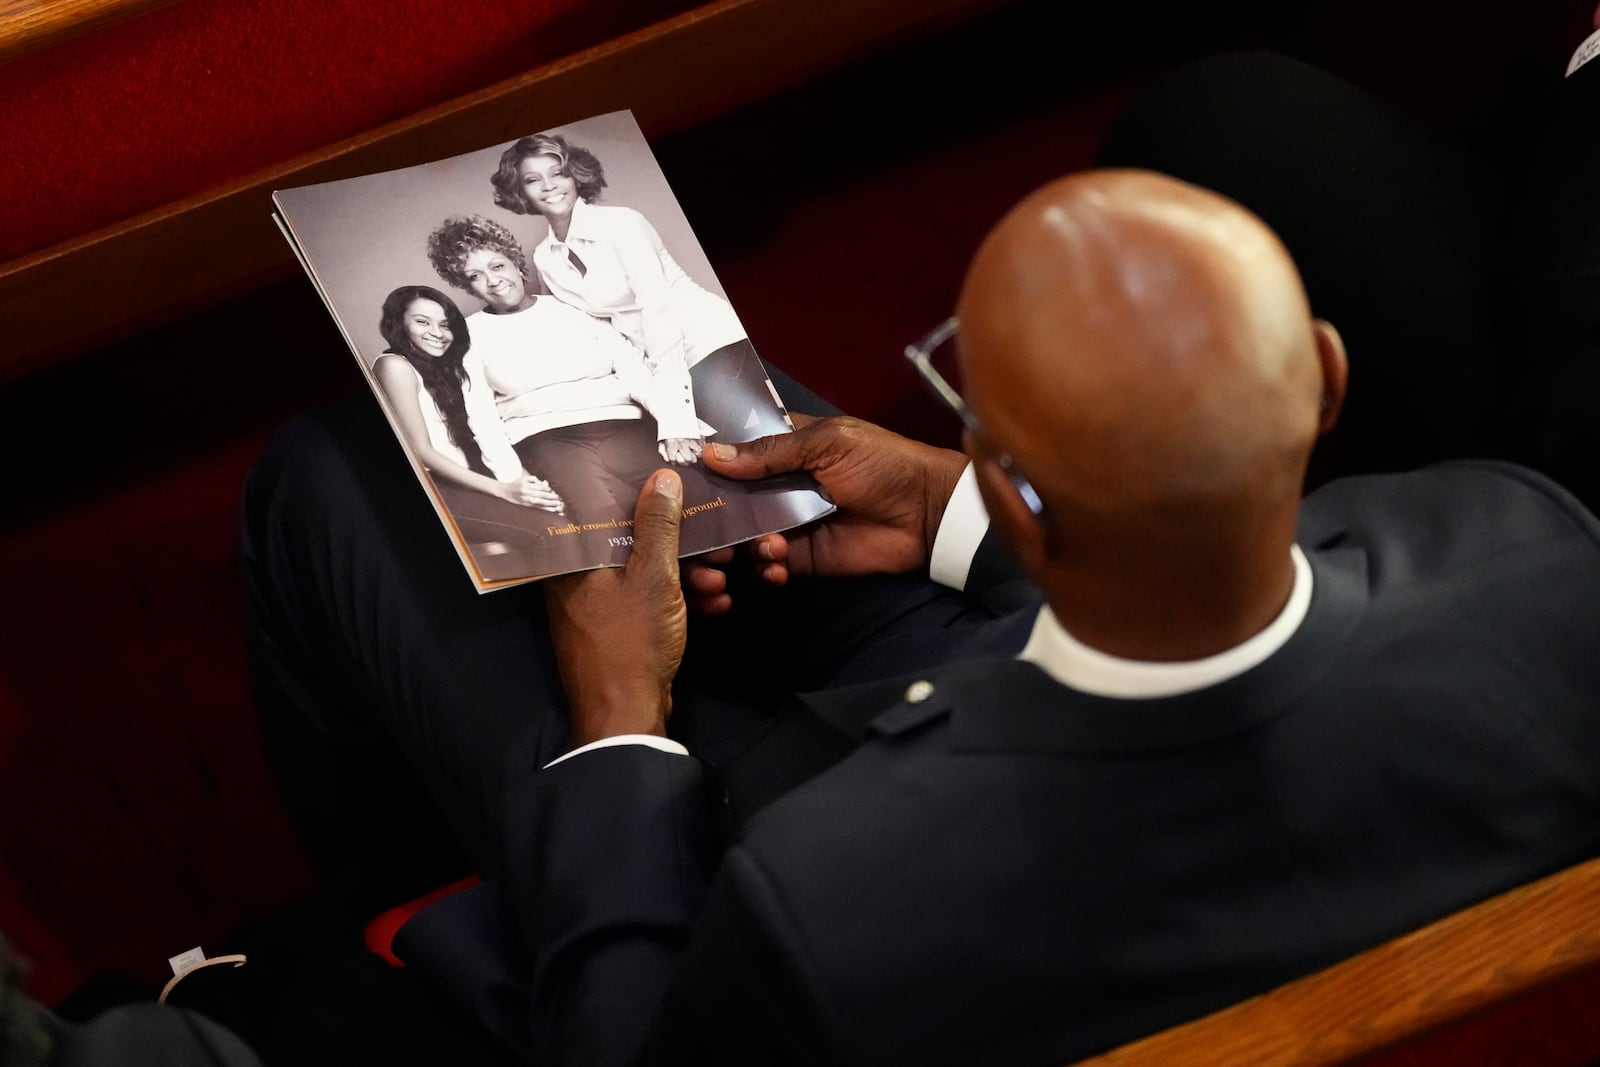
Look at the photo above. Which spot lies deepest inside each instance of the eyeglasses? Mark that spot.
(920, 356)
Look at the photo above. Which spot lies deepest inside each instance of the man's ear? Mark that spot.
(1019, 528)
(1335, 372)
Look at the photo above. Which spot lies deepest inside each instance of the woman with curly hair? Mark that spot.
(444, 410)
(609, 261)
(576, 400)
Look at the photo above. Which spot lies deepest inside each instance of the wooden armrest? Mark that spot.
(680, 70)
(29, 25)
(1465, 963)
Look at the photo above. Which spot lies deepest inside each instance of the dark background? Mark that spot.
(137, 816)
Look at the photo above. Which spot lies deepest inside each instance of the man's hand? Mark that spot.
(619, 634)
(891, 492)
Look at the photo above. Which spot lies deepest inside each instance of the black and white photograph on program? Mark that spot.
(544, 331)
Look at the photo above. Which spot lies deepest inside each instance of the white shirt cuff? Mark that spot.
(665, 744)
(961, 530)
(1586, 51)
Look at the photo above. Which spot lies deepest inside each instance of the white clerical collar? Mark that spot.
(1077, 666)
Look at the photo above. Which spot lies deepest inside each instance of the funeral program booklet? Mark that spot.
(543, 331)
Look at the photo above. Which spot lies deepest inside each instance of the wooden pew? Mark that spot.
(1515, 978)
(219, 242)
(33, 25)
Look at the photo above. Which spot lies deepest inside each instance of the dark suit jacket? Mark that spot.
(1010, 871)
(138, 1035)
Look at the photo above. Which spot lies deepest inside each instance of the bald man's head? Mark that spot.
(1145, 351)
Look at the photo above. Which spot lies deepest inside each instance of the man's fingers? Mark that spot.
(711, 606)
(655, 522)
(773, 547)
(798, 559)
(777, 454)
(704, 581)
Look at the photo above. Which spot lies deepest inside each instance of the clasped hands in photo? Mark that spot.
(619, 633)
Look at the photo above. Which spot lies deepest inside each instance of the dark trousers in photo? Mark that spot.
(731, 393)
(598, 468)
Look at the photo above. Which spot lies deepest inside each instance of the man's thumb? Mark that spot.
(655, 520)
(778, 454)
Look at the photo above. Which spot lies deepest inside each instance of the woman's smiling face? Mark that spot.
(548, 191)
(427, 328)
(494, 279)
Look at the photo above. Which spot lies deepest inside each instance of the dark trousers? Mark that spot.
(394, 699)
(390, 692)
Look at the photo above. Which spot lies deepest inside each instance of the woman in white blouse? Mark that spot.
(610, 262)
(574, 399)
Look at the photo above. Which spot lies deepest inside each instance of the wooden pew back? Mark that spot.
(1515, 978)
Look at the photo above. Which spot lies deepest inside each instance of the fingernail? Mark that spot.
(667, 485)
(722, 451)
(763, 550)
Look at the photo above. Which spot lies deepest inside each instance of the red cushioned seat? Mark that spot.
(380, 930)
